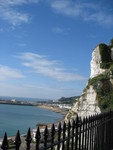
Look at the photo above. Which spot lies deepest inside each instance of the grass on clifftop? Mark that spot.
(105, 52)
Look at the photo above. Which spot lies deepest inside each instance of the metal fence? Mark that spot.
(89, 133)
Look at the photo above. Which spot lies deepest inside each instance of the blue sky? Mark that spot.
(46, 45)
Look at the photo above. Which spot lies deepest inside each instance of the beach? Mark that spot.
(54, 108)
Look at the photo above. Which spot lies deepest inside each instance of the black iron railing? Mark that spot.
(89, 133)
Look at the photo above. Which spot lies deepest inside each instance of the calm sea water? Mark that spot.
(14, 117)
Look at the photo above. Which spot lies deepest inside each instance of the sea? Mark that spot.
(19, 117)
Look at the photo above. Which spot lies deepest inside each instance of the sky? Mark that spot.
(46, 45)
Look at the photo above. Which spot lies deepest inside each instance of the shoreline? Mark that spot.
(56, 109)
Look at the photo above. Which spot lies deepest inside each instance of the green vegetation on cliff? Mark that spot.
(102, 84)
(105, 53)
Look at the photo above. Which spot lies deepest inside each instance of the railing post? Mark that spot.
(45, 137)
(111, 129)
(28, 139)
(86, 121)
(17, 140)
(73, 126)
(95, 134)
(105, 132)
(68, 134)
(79, 129)
(59, 135)
(5, 145)
(37, 137)
(76, 132)
(98, 132)
(52, 135)
(88, 139)
(83, 122)
(64, 134)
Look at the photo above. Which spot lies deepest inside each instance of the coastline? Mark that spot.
(53, 108)
(56, 109)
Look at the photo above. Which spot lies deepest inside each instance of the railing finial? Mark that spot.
(28, 139)
(17, 140)
(5, 145)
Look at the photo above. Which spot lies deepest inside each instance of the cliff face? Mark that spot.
(98, 94)
(86, 105)
(95, 63)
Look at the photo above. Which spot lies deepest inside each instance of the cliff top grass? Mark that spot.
(105, 52)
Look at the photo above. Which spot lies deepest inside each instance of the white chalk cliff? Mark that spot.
(97, 97)
(87, 103)
(95, 63)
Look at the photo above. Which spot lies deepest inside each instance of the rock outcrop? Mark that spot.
(98, 94)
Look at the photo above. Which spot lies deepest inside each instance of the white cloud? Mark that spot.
(41, 65)
(16, 2)
(9, 12)
(21, 44)
(7, 73)
(66, 7)
(88, 11)
(60, 30)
